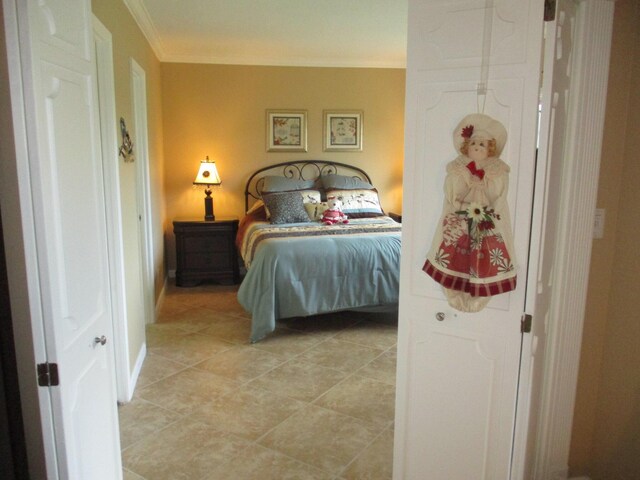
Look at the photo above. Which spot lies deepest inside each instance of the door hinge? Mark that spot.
(525, 323)
(48, 375)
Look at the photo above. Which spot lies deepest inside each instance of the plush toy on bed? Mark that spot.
(333, 214)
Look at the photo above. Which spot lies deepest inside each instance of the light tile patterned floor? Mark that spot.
(315, 400)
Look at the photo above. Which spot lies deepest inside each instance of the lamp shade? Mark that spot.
(207, 174)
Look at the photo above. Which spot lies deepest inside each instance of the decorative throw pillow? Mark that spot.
(273, 183)
(315, 210)
(285, 207)
(344, 182)
(308, 196)
(358, 203)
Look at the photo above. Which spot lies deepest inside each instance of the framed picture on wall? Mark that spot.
(342, 130)
(287, 130)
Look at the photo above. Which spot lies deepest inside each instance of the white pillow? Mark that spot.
(315, 210)
(358, 203)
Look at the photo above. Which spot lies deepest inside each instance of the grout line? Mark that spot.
(185, 367)
(181, 418)
(375, 439)
(285, 359)
(283, 454)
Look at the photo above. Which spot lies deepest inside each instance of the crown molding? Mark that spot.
(143, 19)
(283, 61)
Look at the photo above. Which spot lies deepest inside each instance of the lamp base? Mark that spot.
(208, 208)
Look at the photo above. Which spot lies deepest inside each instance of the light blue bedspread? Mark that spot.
(301, 276)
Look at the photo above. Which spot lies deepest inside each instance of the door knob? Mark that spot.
(101, 340)
(440, 316)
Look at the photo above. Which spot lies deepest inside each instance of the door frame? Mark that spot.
(143, 188)
(583, 148)
(111, 174)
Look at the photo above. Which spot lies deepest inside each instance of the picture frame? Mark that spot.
(342, 130)
(287, 130)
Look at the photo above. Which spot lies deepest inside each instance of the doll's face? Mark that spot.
(478, 149)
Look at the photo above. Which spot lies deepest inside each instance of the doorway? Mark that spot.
(143, 189)
(111, 174)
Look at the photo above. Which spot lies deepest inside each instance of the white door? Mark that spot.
(66, 185)
(554, 100)
(458, 378)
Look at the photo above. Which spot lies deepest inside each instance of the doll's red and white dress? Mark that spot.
(472, 251)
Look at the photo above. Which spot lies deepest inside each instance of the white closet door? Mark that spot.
(458, 378)
(66, 186)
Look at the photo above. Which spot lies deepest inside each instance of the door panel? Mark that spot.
(77, 226)
(62, 24)
(440, 21)
(454, 100)
(445, 387)
(458, 377)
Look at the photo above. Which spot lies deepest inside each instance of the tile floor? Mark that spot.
(315, 400)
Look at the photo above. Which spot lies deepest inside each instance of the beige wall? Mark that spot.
(129, 43)
(606, 431)
(219, 110)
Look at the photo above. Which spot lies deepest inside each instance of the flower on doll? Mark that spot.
(480, 221)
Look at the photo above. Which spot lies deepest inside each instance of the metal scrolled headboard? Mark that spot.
(299, 169)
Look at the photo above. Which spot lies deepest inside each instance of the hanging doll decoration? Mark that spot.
(472, 254)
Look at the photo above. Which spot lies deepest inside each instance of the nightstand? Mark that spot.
(396, 216)
(206, 250)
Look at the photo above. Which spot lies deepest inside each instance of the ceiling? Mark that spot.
(322, 33)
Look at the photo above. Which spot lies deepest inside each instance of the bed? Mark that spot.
(296, 266)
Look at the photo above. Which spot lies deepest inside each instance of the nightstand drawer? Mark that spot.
(207, 244)
(212, 262)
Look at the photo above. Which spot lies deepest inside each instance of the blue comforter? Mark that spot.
(333, 268)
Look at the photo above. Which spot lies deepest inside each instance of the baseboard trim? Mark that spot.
(137, 368)
(160, 300)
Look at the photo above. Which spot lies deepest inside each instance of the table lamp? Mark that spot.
(208, 175)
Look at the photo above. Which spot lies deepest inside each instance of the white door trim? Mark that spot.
(111, 172)
(573, 257)
(143, 189)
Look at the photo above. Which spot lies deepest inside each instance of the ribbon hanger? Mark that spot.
(486, 56)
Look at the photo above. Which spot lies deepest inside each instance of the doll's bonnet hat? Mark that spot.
(478, 125)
